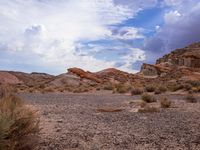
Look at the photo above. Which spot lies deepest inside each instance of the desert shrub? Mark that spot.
(165, 103)
(162, 88)
(143, 104)
(175, 87)
(98, 89)
(122, 88)
(109, 109)
(148, 109)
(136, 91)
(18, 125)
(190, 98)
(194, 83)
(187, 87)
(108, 87)
(157, 91)
(150, 88)
(194, 90)
(148, 98)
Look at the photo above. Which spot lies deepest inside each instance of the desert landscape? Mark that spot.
(157, 108)
(99, 75)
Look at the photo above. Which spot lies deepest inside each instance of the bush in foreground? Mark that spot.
(148, 109)
(18, 125)
(148, 98)
(191, 99)
(165, 103)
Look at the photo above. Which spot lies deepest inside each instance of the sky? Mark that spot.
(54, 35)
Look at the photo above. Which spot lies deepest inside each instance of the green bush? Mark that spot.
(148, 98)
(18, 125)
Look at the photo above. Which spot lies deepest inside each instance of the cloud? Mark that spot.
(180, 29)
(127, 33)
(46, 33)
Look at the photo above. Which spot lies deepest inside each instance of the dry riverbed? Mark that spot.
(80, 121)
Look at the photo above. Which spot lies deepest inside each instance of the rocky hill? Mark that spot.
(180, 63)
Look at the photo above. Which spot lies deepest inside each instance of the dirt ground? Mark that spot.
(75, 122)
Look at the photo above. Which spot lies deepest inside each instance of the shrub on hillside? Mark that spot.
(18, 125)
(175, 87)
(136, 91)
(122, 88)
(108, 87)
(150, 88)
(148, 98)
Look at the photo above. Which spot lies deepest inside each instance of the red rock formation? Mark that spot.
(83, 74)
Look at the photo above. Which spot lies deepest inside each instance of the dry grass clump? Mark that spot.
(108, 87)
(121, 88)
(150, 88)
(109, 109)
(190, 98)
(148, 98)
(143, 104)
(175, 87)
(148, 109)
(161, 89)
(165, 103)
(136, 91)
(18, 125)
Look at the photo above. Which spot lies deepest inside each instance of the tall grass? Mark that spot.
(18, 124)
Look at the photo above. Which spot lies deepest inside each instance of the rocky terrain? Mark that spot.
(103, 121)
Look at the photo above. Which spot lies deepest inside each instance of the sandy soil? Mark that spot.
(72, 121)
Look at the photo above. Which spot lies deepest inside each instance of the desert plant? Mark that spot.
(148, 98)
(121, 88)
(108, 87)
(165, 103)
(136, 91)
(150, 88)
(190, 98)
(143, 104)
(175, 87)
(187, 87)
(18, 124)
(194, 83)
(148, 109)
(109, 109)
(157, 91)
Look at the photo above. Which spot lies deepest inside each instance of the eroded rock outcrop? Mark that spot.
(188, 57)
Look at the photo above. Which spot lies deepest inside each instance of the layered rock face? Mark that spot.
(188, 57)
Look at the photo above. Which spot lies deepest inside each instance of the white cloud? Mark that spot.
(134, 56)
(180, 29)
(51, 30)
(128, 33)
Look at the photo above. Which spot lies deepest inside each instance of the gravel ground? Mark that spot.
(72, 121)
